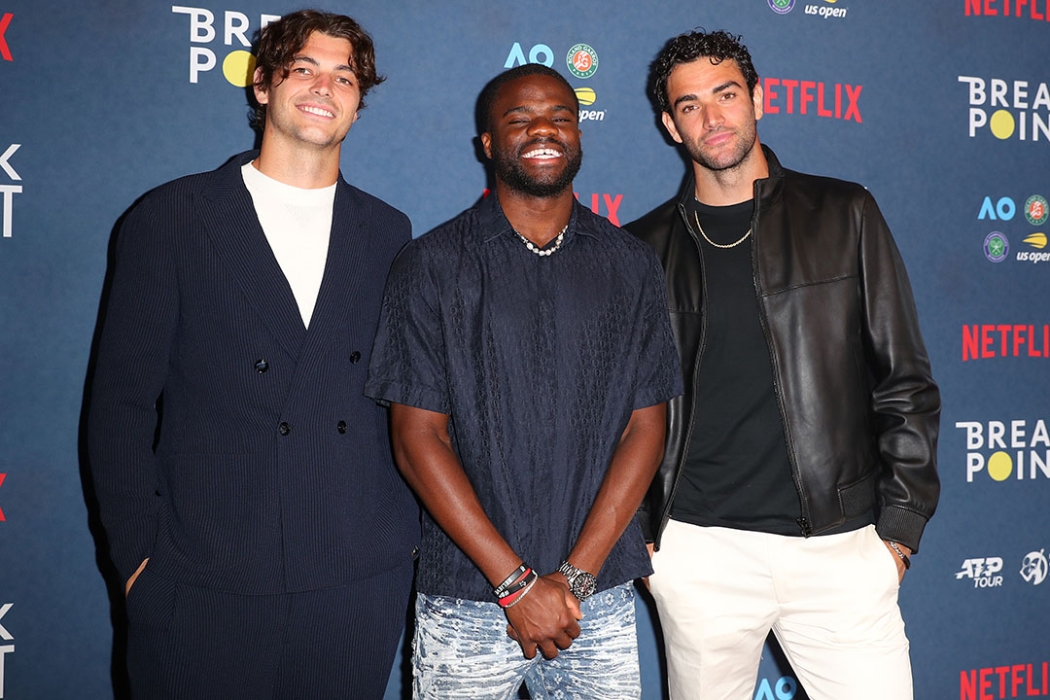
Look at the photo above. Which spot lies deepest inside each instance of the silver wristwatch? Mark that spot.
(581, 584)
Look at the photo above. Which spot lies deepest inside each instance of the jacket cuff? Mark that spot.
(903, 526)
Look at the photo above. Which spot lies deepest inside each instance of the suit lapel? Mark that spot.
(232, 225)
(348, 251)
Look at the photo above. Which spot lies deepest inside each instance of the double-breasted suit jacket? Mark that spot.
(229, 443)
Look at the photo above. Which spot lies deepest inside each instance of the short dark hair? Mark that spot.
(282, 39)
(488, 95)
(715, 46)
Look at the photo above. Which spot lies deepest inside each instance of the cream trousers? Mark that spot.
(831, 601)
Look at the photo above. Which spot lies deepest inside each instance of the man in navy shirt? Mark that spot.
(527, 354)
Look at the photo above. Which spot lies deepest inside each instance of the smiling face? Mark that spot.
(316, 103)
(534, 137)
(712, 114)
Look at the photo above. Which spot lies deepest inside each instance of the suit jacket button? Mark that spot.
(341, 427)
(355, 357)
(284, 428)
(261, 366)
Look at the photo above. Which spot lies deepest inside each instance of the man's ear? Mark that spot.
(669, 124)
(257, 86)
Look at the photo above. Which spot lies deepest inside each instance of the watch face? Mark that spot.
(584, 585)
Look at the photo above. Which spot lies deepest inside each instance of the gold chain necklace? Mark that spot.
(719, 245)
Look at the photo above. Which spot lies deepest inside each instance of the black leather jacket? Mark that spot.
(851, 375)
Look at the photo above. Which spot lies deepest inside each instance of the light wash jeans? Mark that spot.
(462, 651)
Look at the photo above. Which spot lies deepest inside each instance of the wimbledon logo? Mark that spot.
(782, 7)
(996, 247)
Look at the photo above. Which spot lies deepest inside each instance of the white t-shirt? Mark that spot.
(297, 223)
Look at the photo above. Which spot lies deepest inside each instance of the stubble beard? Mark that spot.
(745, 145)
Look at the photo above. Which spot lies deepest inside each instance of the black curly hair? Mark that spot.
(488, 94)
(716, 46)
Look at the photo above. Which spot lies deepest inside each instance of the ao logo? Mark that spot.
(582, 60)
(239, 65)
(539, 53)
(1034, 567)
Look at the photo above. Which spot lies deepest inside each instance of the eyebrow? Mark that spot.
(313, 62)
(527, 109)
(691, 97)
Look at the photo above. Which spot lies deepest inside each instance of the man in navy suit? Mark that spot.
(245, 483)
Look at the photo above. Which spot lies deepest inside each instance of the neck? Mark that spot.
(298, 167)
(720, 188)
(539, 219)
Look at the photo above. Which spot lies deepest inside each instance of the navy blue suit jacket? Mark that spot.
(265, 469)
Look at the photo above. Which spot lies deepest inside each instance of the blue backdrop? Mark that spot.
(941, 109)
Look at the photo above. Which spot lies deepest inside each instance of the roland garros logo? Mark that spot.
(582, 61)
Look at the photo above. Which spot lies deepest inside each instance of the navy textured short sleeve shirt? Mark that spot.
(539, 362)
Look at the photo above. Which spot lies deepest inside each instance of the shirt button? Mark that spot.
(355, 357)
(261, 366)
(284, 428)
(341, 427)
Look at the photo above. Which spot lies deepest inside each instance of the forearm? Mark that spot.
(633, 465)
(424, 454)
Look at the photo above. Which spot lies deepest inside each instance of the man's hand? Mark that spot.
(651, 548)
(131, 581)
(546, 618)
(897, 560)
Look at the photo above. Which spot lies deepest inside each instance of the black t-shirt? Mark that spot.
(737, 472)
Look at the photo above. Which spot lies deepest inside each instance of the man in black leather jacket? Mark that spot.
(800, 467)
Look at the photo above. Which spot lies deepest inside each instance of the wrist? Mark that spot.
(582, 584)
(899, 551)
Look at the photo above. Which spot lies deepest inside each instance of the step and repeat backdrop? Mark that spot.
(941, 109)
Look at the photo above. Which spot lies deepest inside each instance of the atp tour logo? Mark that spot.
(1023, 455)
(239, 65)
(1034, 567)
(8, 192)
(5, 649)
(5, 50)
(582, 61)
(984, 572)
(1019, 109)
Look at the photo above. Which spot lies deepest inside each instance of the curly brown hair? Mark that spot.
(281, 40)
(716, 46)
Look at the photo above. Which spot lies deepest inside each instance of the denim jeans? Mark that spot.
(462, 651)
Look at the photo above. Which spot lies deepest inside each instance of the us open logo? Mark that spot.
(582, 61)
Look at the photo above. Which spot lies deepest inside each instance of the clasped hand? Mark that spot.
(546, 618)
